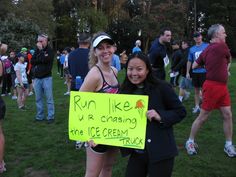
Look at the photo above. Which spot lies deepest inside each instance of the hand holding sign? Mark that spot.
(112, 119)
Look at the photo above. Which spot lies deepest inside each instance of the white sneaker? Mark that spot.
(186, 96)
(191, 148)
(2, 167)
(67, 93)
(230, 151)
(30, 93)
(196, 109)
(14, 97)
(79, 144)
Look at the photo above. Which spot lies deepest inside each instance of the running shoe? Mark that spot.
(230, 151)
(191, 148)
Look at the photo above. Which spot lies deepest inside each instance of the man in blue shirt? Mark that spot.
(78, 59)
(115, 62)
(198, 75)
(158, 52)
(137, 47)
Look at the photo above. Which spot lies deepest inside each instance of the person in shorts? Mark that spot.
(185, 83)
(216, 58)
(197, 75)
(102, 77)
(21, 81)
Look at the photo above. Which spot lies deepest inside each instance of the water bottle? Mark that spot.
(78, 82)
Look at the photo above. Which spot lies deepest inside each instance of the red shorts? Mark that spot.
(215, 95)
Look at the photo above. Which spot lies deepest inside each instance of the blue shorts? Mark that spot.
(185, 83)
(25, 85)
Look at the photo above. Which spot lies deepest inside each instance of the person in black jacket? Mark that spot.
(42, 62)
(164, 110)
(176, 63)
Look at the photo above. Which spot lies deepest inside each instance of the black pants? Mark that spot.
(140, 166)
(58, 66)
(62, 71)
(159, 73)
(6, 84)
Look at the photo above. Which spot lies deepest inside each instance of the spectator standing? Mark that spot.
(115, 62)
(164, 110)
(14, 60)
(158, 52)
(62, 60)
(216, 58)
(102, 77)
(7, 64)
(78, 60)
(21, 81)
(58, 62)
(184, 83)
(176, 64)
(137, 46)
(66, 70)
(42, 63)
(123, 59)
(198, 75)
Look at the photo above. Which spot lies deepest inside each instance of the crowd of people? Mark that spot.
(94, 66)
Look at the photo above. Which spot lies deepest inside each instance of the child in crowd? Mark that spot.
(21, 81)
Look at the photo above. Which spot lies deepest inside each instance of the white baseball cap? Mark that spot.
(101, 37)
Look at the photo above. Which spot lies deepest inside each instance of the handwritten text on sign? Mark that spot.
(111, 119)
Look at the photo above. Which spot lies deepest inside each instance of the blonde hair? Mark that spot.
(3, 48)
(93, 60)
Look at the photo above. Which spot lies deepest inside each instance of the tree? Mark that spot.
(39, 12)
(18, 33)
(223, 12)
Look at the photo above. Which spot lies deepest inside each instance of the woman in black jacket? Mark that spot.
(164, 110)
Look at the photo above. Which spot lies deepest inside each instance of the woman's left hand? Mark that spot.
(153, 115)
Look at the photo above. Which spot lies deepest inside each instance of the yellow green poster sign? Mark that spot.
(110, 119)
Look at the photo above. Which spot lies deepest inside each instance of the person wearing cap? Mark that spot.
(137, 46)
(198, 75)
(78, 60)
(42, 63)
(102, 78)
(216, 59)
(21, 81)
(158, 52)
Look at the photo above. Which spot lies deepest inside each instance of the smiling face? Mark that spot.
(137, 71)
(104, 52)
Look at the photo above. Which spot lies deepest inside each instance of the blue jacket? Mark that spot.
(157, 53)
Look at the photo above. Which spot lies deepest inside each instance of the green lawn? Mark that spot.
(36, 149)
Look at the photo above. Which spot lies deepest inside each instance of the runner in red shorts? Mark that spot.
(216, 58)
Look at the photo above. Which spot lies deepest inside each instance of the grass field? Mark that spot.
(38, 149)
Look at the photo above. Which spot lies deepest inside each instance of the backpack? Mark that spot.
(7, 65)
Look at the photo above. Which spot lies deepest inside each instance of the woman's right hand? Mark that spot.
(91, 143)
